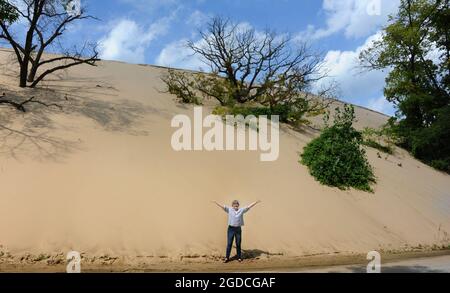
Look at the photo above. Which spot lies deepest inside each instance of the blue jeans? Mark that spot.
(234, 232)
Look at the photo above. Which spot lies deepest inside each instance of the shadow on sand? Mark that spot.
(253, 254)
(35, 133)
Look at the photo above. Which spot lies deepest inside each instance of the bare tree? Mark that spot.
(252, 71)
(46, 21)
(258, 66)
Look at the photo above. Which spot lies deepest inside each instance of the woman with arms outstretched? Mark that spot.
(235, 223)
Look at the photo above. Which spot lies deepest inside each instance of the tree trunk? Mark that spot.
(35, 64)
(23, 73)
(28, 49)
(32, 74)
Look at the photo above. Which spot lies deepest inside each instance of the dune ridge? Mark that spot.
(100, 177)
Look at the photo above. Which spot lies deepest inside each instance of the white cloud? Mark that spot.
(355, 18)
(197, 18)
(343, 66)
(356, 86)
(127, 40)
(152, 6)
(178, 55)
(381, 105)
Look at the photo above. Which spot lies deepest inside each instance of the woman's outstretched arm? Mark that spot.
(220, 205)
(254, 204)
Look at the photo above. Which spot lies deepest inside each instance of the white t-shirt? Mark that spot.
(236, 218)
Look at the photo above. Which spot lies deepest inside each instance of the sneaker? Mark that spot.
(240, 260)
(227, 260)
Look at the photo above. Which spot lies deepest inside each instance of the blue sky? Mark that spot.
(155, 31)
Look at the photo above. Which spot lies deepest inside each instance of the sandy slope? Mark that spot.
(101, 178)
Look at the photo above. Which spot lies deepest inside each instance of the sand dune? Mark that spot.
(101, 177)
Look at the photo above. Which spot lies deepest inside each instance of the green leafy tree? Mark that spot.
(7, 12)
(336, 158)
(415, 48)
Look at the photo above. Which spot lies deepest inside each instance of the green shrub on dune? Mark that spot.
(286, 113)
(336, 158)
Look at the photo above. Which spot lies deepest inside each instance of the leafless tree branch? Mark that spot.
(47, 21)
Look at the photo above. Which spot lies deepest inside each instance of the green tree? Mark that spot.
(7, 12)
(415, 48)
(336, 158)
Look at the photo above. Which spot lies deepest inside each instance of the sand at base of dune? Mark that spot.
(101, 177)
